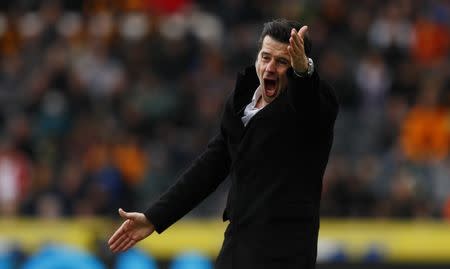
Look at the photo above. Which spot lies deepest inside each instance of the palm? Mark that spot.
(135, 228)
(296, 50)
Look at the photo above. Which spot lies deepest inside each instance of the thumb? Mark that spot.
(124, 214)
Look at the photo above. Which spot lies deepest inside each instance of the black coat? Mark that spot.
(276, 165)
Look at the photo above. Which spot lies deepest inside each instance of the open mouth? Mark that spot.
(270, 87)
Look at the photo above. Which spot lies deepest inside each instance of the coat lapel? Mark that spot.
(246, 84)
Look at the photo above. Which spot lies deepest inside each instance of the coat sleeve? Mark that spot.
(312, 97)
(199, 180)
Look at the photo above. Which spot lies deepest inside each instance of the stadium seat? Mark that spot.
(6, 261)
(62, 257)
(135, 259)
(374, 254)
(191, 260)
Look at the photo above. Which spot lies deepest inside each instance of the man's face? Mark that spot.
(271, 66)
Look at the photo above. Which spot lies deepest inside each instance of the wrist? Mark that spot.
(307, 72)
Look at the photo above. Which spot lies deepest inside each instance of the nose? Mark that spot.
(271, 66)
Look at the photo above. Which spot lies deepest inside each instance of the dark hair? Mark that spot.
(280, 30)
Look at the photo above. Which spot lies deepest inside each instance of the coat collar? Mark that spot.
(246, 83)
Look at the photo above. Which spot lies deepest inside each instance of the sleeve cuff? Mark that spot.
(300, 75)
(308, 72)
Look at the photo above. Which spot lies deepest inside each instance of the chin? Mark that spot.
(271, 98)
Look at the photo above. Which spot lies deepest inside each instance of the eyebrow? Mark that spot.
(284, 58)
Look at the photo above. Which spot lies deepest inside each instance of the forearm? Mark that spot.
(195, 184)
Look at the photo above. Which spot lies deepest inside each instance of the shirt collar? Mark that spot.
(256, 96)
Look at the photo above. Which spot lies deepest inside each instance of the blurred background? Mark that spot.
(104, 102)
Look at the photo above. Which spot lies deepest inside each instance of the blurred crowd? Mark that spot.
(104, 102)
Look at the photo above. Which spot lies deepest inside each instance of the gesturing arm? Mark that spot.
(195, 184)
(307, 92)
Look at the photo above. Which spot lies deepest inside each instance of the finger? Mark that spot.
(119, 240)
(302, 32)
(129, 245)
(296, 44)
(122, 244)
(118, 233)
(291, 52)
(298, 41)
(118, 247)
(297, 48)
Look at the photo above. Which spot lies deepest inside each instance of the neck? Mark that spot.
(261, 103)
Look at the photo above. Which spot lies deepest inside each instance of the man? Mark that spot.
(274, 141)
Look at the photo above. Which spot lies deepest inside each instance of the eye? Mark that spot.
(282, 62)
(265, 57)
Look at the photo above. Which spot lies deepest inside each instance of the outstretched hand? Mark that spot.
(296, 50)
(135, 228)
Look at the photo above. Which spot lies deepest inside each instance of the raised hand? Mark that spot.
(135, 228)
(296, 50)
